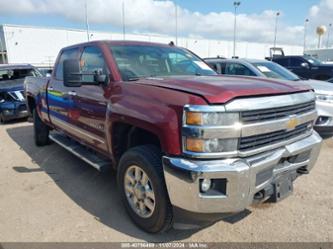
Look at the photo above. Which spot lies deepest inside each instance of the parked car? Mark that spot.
(12, 101)
(306, 67)
(263, 68)
(186, 143)
(46, 71)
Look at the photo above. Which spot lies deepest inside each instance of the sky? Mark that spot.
(211, 19)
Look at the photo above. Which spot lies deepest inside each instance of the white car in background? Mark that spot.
(268, 69)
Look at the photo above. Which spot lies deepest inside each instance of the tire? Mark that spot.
(41, 130)
(148, 158)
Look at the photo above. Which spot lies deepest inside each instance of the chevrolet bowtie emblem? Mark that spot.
(292, 123)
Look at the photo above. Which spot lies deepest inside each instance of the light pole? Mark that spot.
(176, 20)
(87, 20)
(276, 24)
(123, 17)
(328, 34)
(305, 33)
(236, 5)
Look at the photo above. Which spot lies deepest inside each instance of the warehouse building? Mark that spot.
(39, 46)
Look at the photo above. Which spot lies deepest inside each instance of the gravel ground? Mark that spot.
(47, 194)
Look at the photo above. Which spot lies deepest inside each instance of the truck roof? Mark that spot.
(118, 42)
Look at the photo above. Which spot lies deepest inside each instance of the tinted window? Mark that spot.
(92, 61)
(238, 69)
(66, 55)
(296, 62)
(282, 61)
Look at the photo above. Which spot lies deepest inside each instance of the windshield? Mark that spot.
(136, 61)
(273, 70)
(15, 74)
(313, 60)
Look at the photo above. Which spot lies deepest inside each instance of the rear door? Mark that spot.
(90, 101)
(60, 102)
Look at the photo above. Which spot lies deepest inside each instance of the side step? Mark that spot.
(99, 162)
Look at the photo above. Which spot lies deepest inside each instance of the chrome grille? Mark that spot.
(257, 141)
(276, 113)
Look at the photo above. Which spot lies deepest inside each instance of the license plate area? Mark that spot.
(283, 187)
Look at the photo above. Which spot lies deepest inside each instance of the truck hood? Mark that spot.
(221, 89)
(11, 85)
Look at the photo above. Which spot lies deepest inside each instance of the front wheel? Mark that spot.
(2, 119)
(142, 188)
(41, 130)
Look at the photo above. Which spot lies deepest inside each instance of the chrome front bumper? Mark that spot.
(244, 177)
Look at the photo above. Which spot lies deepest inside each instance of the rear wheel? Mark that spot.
(41, 130)
(142, 188)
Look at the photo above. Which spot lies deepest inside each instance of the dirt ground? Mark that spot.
(47, 194)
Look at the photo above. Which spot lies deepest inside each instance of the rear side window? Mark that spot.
(65, 55)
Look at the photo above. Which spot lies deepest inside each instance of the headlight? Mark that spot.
(203, 129)
(324, 98)
(210, 118)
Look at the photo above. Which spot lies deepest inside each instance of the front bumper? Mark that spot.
(17, 113)
(243, 177)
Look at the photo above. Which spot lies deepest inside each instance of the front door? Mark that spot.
(90, 101)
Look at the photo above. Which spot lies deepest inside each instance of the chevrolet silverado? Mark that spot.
(188, 145)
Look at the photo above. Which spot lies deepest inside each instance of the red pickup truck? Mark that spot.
(187, 144)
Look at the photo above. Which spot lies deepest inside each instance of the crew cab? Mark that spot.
(306, 66)
(12, 101)
(269, 69)
(188, 145)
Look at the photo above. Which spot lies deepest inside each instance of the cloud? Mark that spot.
(159, 17)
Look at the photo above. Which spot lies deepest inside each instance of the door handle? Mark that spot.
(72, 93)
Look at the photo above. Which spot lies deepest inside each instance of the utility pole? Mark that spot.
(87, 20)
(276, 24)
(305, 33)
(176, 19)
(236, 5)
(123, 17)
(328, 34)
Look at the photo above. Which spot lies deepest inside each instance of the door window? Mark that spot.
(238, 69)
(296, 62)
(66, 55)
(92, 61)
(282, 61)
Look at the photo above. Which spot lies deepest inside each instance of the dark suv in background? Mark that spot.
(305, 66)
(12, 99)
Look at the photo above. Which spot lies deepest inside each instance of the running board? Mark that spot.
(99, 162)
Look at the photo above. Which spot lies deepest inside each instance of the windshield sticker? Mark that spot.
(264, 69)
(202, 65)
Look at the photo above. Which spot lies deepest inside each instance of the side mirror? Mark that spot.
(72, 73)
(100, 78)
(305, 65)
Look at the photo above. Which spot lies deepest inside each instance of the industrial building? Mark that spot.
(40, 45)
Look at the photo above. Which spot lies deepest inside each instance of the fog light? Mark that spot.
(205, 185)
